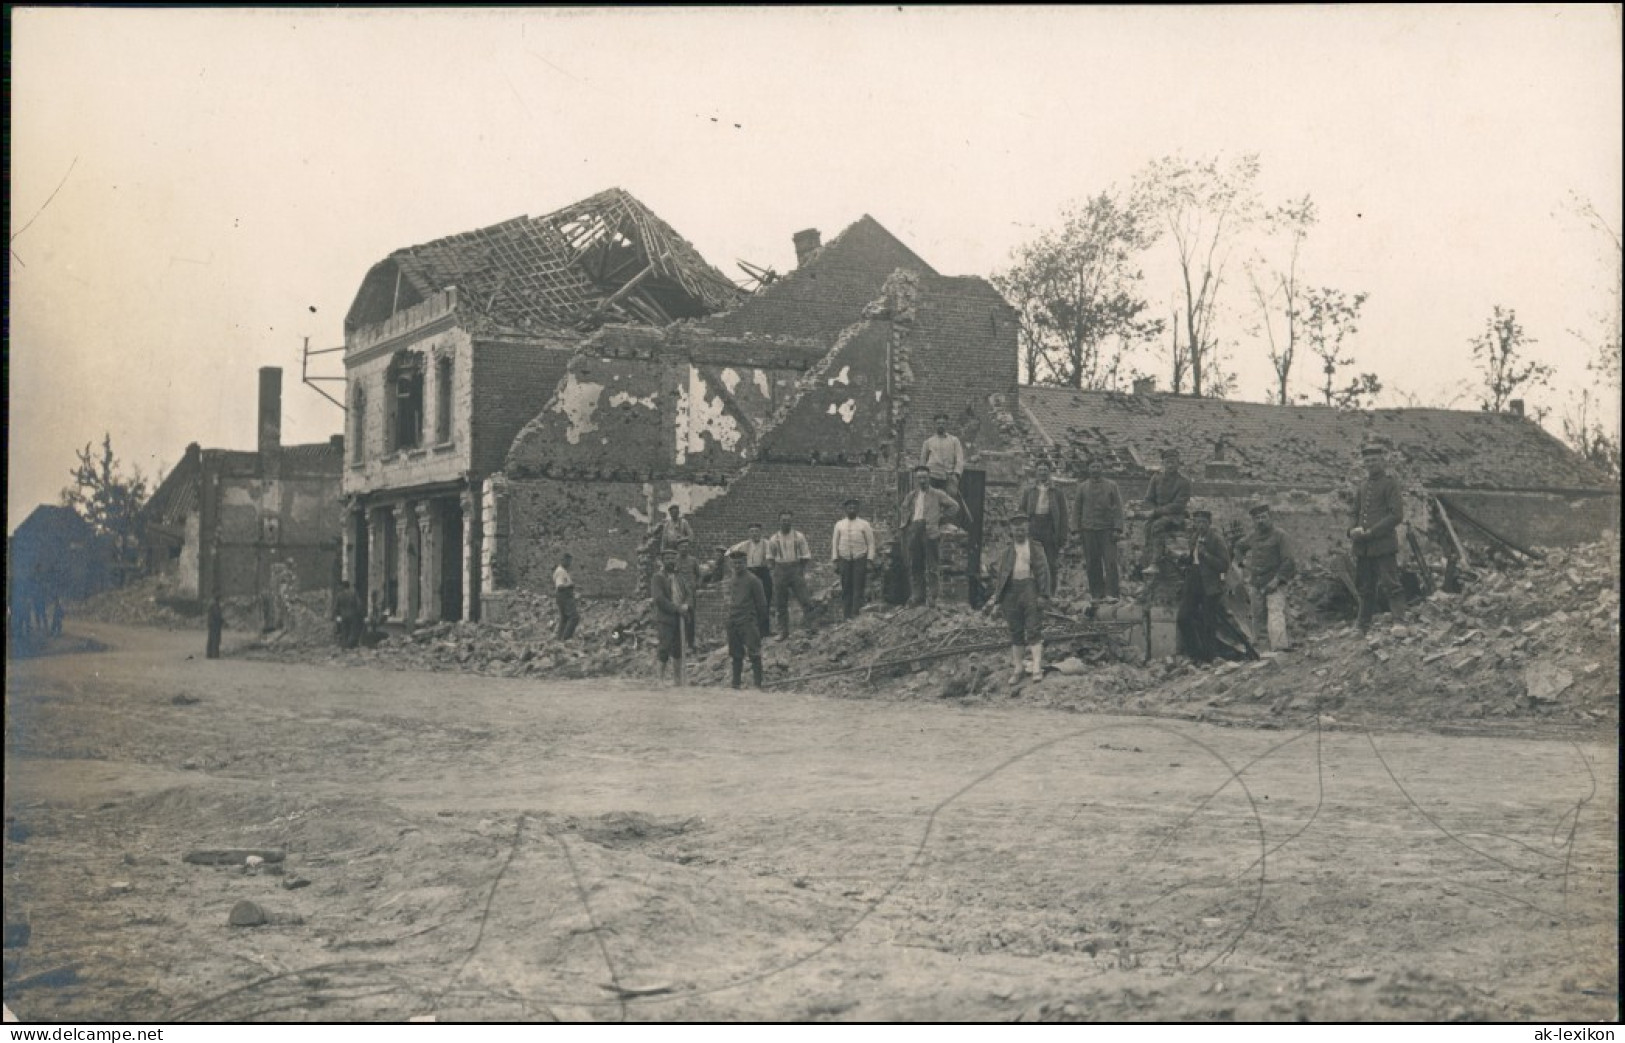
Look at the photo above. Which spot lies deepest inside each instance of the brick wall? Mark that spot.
(513, 381)
(962, 351)
(813, 494)
(843, 413)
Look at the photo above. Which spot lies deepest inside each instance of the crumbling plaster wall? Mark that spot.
(842, 412)
(1539, 519)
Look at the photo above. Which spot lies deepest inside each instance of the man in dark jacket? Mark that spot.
(920, 521)
(1167, 496)
(1202, 597)
(1046, 513)
(1022, 587)
(1100, 524)
(672, 598)
(347, 612)
(217, 623)
(747, 604)
(1267, 559)
(1378, 510)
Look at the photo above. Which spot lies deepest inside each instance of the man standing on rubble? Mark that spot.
(852, 549)
(564, 593)
(746, 604)
(673, 598)
(347, 612)
(1100, 525)
(1202, 598)
(788, 553)
(688, 567)
(1167, 496)
(1267, 560)
(944, 457)
(1378, 510)
(674, 527)
(755, 549)
(1021, 587)
(217, 623)
(920, 520)
(1046, 511)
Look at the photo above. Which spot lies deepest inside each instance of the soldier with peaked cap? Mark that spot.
(1167, 496)
(1267, 561)
(1022, 584)
(747, 605)
(1379, 507)
(1202, 597)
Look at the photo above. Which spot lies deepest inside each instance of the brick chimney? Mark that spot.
(1145, 386)
(270, 441)
(807, 242)
(1515, 407)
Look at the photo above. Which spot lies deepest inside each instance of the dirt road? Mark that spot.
(482, 848)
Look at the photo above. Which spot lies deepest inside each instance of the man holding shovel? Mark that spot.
(672, 598)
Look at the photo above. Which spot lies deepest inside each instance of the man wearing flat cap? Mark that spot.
(920, 520)
(852, 549)
(1378, 510)
(943, 455)
(1267, 560)
(1168, 495)
(1021, 588)
(1202, 598)
(747, 605)
(1045, 508)
(672, 597)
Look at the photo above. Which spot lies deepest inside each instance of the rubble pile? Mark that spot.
(147, 602)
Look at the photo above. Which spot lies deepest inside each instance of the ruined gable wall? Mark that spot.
(960, 352)
(513, 381)
(842, 412)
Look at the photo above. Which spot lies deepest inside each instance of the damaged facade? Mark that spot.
(820, 386)
(223, 521)
(451, 347)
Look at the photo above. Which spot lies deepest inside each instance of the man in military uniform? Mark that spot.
(1378, 510)
(747, 605)
(1202, 597)
(1267, 559)
(1167, 496)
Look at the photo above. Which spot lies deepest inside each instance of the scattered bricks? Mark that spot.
(1466, 663)
(1544, 682)
(232, 856)
(120, 887)
(1435, 657)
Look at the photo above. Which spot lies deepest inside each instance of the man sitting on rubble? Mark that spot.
(746, 605)
(1378, 510)
(1167, 496)
(672, 598)
(1267, 561)
(1201, 599)
(1021, 587)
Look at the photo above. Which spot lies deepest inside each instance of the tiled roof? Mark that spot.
(1312, 446)
(828, 292)
(607, 258)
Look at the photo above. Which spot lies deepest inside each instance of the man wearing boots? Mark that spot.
(1269, 565)
(1021, 587)
(1202, 597)
(1378, 510)
(920, 521)
(672, 598)
(756, 561)
(747, 604)
(1100, 523)
(1167, 496)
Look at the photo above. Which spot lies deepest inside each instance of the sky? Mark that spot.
(194, 192)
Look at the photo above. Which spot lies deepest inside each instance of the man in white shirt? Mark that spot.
(920, 521)
(788, 553)
(852, 548)
(1021, 586)
(944, 457)
(564, 592)
(755, 550)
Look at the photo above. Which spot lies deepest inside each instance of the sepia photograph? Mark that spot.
(919, 515)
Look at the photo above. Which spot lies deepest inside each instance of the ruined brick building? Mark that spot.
(451, 347)
(222, 520)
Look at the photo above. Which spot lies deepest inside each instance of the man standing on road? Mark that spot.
(755, 549)
(1267, 560)
(1100, 525)
(1046, 511)
(746, 604)
(1202, 598)
(920, 520)
(1021, 587)
(672, 597)
(944, 457)
(852, 548)
(347, 612)
(1378, 510)
(1168, 495)
(564, 592)
(688, 567)
(217, 623)
(788, 553)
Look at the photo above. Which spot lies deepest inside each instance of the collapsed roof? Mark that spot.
(605, 259)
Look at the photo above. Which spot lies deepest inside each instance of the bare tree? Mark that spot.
(1076, 290)
(110, 501)
(1586, 433)
(1277, 292)
(1329, 317)
(1498, 353)
(1201, 205)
